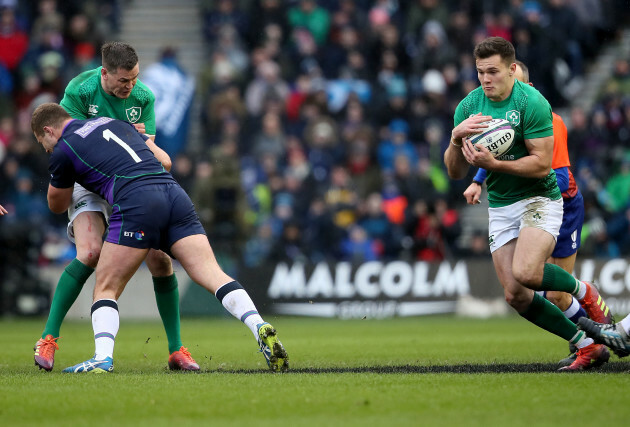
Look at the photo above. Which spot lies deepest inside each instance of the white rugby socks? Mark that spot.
(105, 322)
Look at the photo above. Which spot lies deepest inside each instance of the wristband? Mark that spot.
(479, 183)
(456, 145)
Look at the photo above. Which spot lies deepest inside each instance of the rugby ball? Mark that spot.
(498, 137)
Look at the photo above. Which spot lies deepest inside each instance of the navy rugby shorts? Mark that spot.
(571, 229)
(153, 216)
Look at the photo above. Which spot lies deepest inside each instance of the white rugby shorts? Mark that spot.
(505, 223)
(85, 201)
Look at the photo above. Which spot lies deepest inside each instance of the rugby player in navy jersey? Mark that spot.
(112, 90)
(149, 211)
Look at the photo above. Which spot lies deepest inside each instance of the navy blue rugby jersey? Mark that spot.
(106, 156)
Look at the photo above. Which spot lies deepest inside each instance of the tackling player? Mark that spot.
(525, 211)
(568, 241)
(112, 90)
(158, 214)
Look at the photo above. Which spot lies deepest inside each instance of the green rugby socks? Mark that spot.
(68, 289)
(167, 299)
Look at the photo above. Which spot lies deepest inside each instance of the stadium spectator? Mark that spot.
(289, 247)
(423, 226)
(174, 90)
(422, 11)
(271, 18)
(270, 140)
(307, 14)
(384, 235)
(615, 196)
(341, 199)
(83, 59)
(183, 171)
(258, 248)
(223, 12)
(396, 144)
(358, 247)
(13, 40)
(434, 48)
(219, 197)
(268, 83)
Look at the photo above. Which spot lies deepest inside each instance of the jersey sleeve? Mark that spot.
(71, 102)
(538, 122)
(147, 100)
(560, 149)
(481, 175)
(562, 176)
(148, 117)
(61, 170)
(460, 114)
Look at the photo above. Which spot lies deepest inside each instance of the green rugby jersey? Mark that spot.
(85, 98)
(530, 115)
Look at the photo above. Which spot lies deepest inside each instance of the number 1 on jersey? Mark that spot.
(108, 134)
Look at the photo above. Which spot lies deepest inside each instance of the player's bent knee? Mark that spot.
(159, 264)
(559, 299)
(89, 254)
(514, 302)
(528, 277)
(518, 301)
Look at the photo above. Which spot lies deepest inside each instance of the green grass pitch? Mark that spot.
(437, 370)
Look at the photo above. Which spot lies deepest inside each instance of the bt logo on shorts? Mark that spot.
(137, 234)
(574, 238)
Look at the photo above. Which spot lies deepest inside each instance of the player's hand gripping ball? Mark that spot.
(498, 137)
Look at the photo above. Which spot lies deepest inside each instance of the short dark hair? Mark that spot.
(117, 55)
(48, 114)
(525, 70)
(495, 46)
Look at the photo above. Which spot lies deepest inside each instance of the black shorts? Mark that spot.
(153, 216)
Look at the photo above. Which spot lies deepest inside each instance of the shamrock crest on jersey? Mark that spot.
(514, 117)
(133, 114)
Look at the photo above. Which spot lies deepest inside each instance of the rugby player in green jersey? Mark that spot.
(112, 90)
(526, 207)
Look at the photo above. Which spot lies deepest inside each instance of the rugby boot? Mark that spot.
(570, 358)
(92, 366)
(589, 357)
(181, 360)
(595, 306)
(271, 347)
(45, 352)
(613, 336)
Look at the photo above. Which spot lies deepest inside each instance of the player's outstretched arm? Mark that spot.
(160, 154)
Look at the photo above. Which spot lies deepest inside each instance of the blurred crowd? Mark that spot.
(324, 122)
